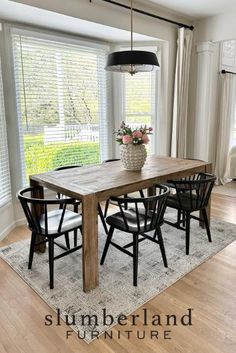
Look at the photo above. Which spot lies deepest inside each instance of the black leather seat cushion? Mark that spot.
(116, 220)
(186, 204)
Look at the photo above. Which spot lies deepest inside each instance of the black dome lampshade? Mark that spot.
(132, 61)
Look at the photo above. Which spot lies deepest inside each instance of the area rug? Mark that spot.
(228, 189)
(116, 293)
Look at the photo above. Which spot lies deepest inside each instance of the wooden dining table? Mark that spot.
(93, 184)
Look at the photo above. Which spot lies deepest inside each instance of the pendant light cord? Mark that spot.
(132, 24)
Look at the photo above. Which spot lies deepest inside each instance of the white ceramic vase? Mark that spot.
(132, 156)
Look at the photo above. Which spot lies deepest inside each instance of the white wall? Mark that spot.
(107, 14)
(7, 219)
(217, 28)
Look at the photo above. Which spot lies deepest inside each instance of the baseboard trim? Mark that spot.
(11, 226)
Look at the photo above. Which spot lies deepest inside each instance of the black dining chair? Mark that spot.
(145, 215)
(108, 201)
(171, 186)
(49, 224)
(192, 194)
(76, 205)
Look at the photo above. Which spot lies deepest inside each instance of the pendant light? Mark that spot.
(132, 61)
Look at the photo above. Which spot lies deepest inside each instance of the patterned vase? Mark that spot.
(132, 156)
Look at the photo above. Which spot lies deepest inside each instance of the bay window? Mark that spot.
(61, 91)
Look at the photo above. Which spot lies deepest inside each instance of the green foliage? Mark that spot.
(40, 158)
(76, 153)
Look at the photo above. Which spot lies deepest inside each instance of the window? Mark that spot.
(61, 98)
(5, 189)
(139, 102)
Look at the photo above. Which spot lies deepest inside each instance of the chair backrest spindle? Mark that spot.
(153, 208)
(197, 189)
(33, 207)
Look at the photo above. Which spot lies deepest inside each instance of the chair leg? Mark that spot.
(125, 205)
(184, 215)
(204, 213)
(141, 193)
(75, 237)
(67, 240)
(155, 234)
(102, 218)
(109, 237)
(187, 215)
(135, 259)
(51, 262)
(178, 217)
(31, 252)
(106, 208)
(162, 247)
(76, 208)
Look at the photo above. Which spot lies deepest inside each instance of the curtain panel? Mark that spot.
(227, 112)
(181, 88)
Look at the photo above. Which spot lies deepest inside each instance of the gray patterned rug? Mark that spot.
(116, 292)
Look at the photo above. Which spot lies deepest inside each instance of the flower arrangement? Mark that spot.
(125, 135)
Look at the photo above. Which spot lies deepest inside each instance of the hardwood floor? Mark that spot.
(209, 289)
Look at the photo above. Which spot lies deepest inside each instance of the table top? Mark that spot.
(111, 178)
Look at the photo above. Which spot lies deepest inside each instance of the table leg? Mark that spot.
(90, 243)
(39, 194)
(208, 169)
(151, 191)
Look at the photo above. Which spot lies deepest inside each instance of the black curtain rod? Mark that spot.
(228, 72)
(148, 14)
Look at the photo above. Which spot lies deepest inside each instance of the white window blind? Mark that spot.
(5, 186)
(139, 101)
(61, 91)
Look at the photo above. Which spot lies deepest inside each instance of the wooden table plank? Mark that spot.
(110, 178)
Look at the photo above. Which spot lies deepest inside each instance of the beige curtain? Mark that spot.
(227, 103)
(180, 106)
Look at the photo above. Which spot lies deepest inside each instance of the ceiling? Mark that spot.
(196, 8)
(21, 13)
(18, 12)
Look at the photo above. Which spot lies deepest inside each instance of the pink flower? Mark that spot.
(127, 139)
(137, 134)
(145, 139)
